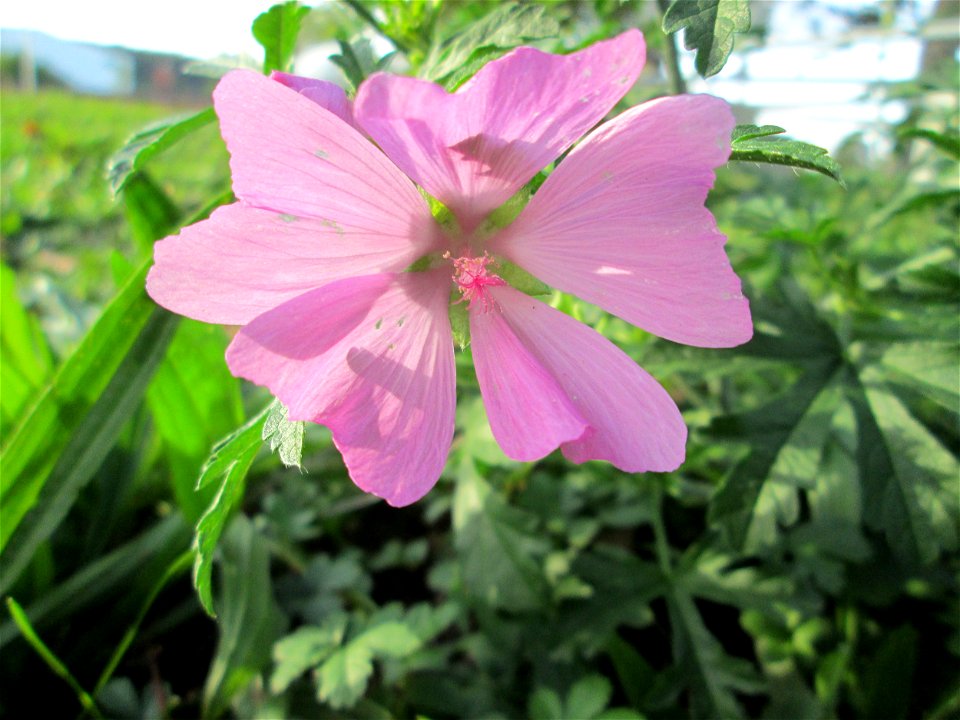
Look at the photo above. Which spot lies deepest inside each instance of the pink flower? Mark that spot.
(311, 260)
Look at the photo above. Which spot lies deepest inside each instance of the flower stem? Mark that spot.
(671, 58)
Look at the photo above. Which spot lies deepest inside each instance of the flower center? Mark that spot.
(473, 278)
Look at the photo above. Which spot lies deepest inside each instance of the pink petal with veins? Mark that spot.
(244, 261)
(327, 95)
(621, 223)
(473, 149)
(372, 358)
(632, 421)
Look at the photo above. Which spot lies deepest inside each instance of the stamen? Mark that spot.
(472, 279)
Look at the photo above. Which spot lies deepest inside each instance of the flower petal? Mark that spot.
(327, 95)
(289, 155)
(633, 422)
(529, 413)
(621, 223)
(244, 261)
(371, 358)
(475, 148)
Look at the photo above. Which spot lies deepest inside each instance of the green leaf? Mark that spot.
(285, 437)
(230, 460)
(910, 479)
(27, 362)
(751, 143)
(343, 677)
(709, 27)
(194, 401)
(948, 142)
(249, 620)
(787, 437)
(88, 585)
(150, 212)
(357, 60)
(150, 142)
(504, 28)
(544, 704)
(52, 661)
(588, 697)
(714, 676)
(304, 650)
(277, 30)
(36, 504)
(496, 545)
(78, 418)
(929, 367)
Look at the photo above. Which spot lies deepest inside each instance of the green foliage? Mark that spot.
(357, 61)
(151, 141)
(709, 27)
(508, 25)
(229, 463)
(285, 436)
(277, 30)
(802, 562)
(751, 143)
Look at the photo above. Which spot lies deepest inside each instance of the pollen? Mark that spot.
(473, 278)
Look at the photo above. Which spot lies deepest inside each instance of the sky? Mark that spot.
(196, 28)
(812, 88)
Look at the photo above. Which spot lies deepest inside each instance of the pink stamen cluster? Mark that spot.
(472, 279)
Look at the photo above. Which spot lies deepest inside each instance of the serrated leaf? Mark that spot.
(305, 649)
(151, 141)
(751, 143)
(709, 27)
(277, 30)
(230, 460)
(503, 29)
(286, 437)
(343, 677)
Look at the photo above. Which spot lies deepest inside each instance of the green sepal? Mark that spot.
(442, 214)
(459, 320)
(520, 279)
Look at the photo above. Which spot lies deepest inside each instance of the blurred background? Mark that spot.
(802, 564)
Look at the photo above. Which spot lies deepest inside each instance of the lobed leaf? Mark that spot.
(750, 143)
(910, 479)
(708, 27)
